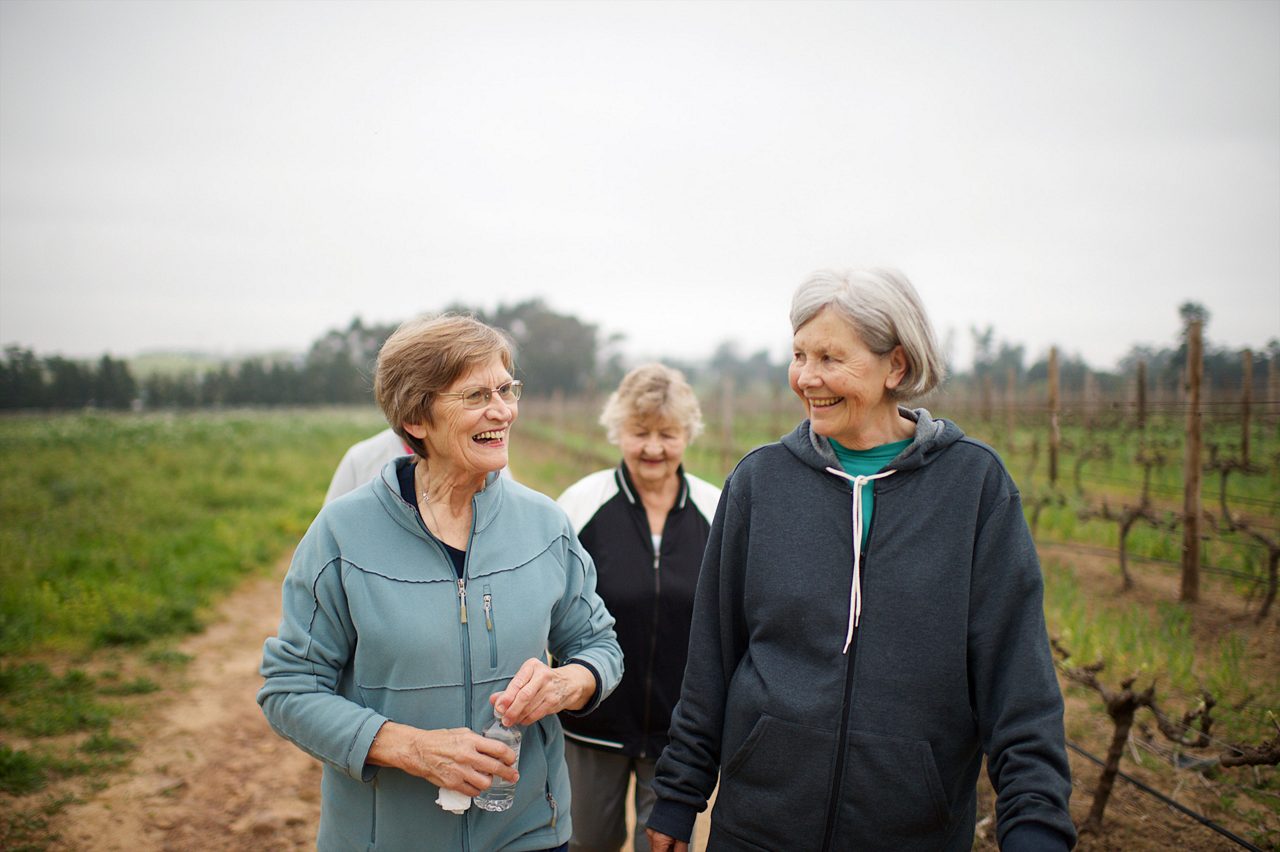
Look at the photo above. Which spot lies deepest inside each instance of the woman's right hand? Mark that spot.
(659, 842)
(453, 758)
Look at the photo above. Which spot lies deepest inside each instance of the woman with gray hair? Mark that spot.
(419, 611)
(868, 622)
(645, 523)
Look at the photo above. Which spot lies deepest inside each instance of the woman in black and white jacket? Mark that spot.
(645, 524)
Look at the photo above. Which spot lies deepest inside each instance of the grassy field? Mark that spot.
(120, 531)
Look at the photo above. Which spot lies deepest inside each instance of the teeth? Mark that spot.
(495, 434)
(824, 401)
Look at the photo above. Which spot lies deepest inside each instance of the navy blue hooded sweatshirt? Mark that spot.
(878, 747)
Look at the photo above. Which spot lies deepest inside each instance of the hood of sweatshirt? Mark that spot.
(932, 437)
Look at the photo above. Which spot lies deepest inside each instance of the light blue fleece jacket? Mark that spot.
(373, 629)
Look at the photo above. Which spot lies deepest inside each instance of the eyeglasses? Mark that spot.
(479, 397)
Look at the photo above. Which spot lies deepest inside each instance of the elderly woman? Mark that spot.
(868, 622)
(423, 604)
(645, 523)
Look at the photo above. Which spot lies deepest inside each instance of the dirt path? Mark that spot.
(209, 774)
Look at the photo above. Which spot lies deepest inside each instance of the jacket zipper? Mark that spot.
(842, 740)
(488, 625)
(551, 800)
(466, 655)
(653, 649)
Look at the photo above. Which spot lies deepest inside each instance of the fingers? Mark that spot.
(460, 759)
(659, 842)
(529, 696)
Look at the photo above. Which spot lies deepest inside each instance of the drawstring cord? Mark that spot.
(855, 588)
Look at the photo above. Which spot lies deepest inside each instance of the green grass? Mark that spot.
(120, 529)
(1159, 646)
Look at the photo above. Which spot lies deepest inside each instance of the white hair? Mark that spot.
(652, 392)
(885, 311)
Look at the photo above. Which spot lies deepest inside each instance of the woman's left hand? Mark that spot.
(538, 690)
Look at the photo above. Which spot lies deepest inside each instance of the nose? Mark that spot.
(808, 376)
(497, 407)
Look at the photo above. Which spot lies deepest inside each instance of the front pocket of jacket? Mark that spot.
(774, 788)
(893, 784)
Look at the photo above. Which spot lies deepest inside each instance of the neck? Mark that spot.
(657, 495)
(444, 486)
(884, 425)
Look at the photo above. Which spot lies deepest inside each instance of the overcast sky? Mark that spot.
(243, 176)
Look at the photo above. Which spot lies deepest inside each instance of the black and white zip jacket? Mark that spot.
(649, 594)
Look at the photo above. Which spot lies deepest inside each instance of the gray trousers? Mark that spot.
(599, 782)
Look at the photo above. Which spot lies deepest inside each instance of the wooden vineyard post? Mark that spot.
(1273, 387)
(988, 415)
(1246, 402)
(1090, 400)
(1191, 469)
(1142, 398)
(1055, 437)
(1010, 394)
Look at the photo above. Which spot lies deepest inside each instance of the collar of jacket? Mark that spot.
(486, 503)
(628, 488)
(932, 437)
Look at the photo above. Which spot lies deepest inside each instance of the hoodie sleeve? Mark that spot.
(688, 769)
(304, 661)
(1015, 688)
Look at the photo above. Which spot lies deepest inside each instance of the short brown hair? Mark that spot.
(652, 392)
(425, 356)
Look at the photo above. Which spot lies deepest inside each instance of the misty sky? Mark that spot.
(244, 176)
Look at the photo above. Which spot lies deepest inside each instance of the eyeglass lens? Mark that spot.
(479, 397)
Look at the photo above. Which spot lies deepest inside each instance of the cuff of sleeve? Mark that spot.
(358, 766)
(1033, 837)
(673, 819)
(597, 696)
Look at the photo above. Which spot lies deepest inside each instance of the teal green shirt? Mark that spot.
(865, 463)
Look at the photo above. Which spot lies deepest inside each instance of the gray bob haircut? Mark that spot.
(885, 311)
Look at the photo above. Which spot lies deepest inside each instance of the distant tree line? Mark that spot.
(27, 381)
(554, 353)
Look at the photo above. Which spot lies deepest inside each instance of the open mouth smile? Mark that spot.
(493, 436)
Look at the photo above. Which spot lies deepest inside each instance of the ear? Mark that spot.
(897, 367)
(417, 430)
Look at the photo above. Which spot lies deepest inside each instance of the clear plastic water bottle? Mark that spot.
(501, 792)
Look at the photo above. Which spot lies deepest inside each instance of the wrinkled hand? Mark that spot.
(659, 842)
(452, 758)
(538, 690)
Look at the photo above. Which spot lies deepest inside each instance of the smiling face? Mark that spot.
(844, 384)
(470, 441)
(652, 449)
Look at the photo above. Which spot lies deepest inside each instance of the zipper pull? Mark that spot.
(462, 600)
(488, 611)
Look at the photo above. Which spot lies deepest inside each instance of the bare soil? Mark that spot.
(211, 775)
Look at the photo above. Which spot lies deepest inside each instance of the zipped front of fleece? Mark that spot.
(846, 700)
